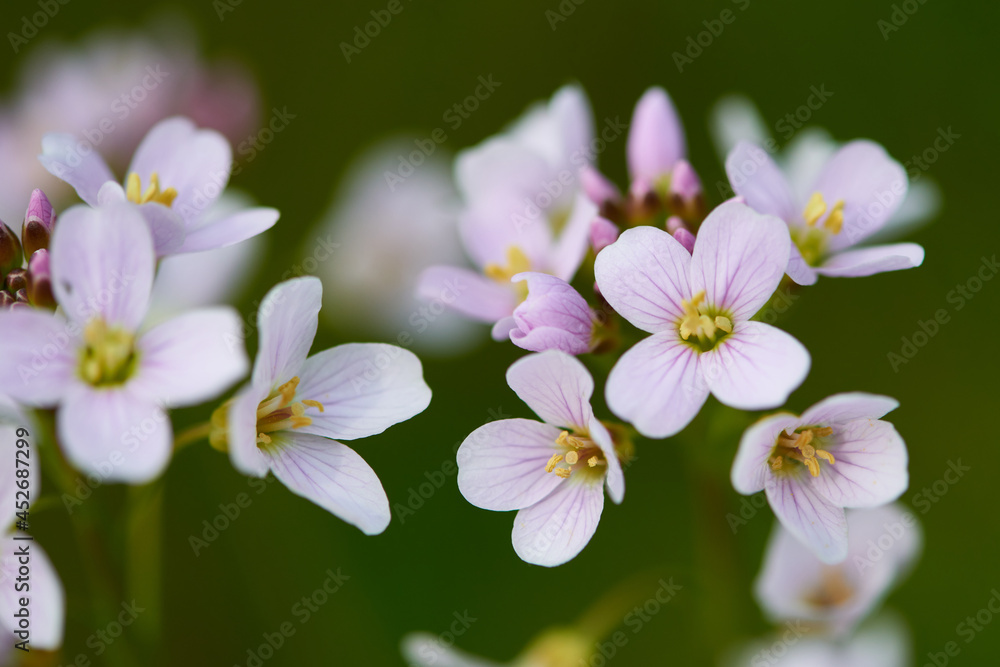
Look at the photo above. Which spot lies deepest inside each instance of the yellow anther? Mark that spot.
(593, 461)
(517, 262)
(823, 432)
(314, 404)
(777, 462)
(723, 323)
(799, 447)
(263, 439)
(572, 457)
(153, 193)
(815, 208)
(287, 390)
(553, 462)
(823, 454)
(804, 439)
(563, 472)
(835, 221)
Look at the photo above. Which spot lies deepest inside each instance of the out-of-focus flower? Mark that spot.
(110, 89)
(374, 242)
(655, 141)
(553, 472)
(553, 317)
(796, 585)
(838, 454)
(290, 416)
(559, 647)
(176, 175)
(110, 382)
(698, 308)
(47, 599)
(735, 118)
(524, 209)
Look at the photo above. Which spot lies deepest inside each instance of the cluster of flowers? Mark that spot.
(79, 342)
(704, 284)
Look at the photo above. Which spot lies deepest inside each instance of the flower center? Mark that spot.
(700, 320)
(578, 454)
(108, 356)
(517, 262)
(153, 193)
(833, 590)
(812, 238)
(281, 412)
(801, 447)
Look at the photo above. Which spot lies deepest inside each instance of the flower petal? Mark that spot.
(192, 358)
(333, 476)
(364, 387)
(555, 530)
(657, 385)
(750, 468)
(286, 321)
(241, 425)
(756, 367)
(424, 650)
(848, 407)
(655, 138)
(807, 515)
(85, 170)
(501, 465)
(556, 386)
(39, 355)
(116, 434)
(755, 177)
(230, 230)
(869, 261)
(644, 276)
(870, 468)
(572, 244)
(615, 479)
(165, 226)
(739, 259)
(798, 269)
(468, 292)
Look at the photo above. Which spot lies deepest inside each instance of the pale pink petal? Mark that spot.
(39, 355)
(425, 650)
(755, 177)
(498, 167)
(165, 226)
(491, 229)
(798, 269)
(192, 358)
(657, 385)
(501, 465)
(756, 367)
(502, 329)
(869, 261)
(364, 388)
(286, 322)
(644, 276)
(117, 434)
(241, 435)
(102, 264)
(333, 476)
(844, 408)
(870, 465)
(615, 479)
(570, 111)
(468, 292)
(46, 599)
(76, 162)
(739, 259)
(230, 230)
(806, 514)
(597, 186)
(555, 530)
(750, 468)
(655, 138)
(571, 247)
(556, 386)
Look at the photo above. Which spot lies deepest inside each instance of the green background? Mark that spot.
(937, 71)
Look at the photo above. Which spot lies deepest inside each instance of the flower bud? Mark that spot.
(554, 316)
(686, 197)
(10, 250)
(39, 220)
(603, 233)
(598, 188)
(6, 300)
(16, 280)
(40, 280)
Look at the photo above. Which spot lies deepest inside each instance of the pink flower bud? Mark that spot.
(603, 233)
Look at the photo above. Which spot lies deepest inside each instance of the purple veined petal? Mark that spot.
(47, 601)
(807, 515)
(848, 407)
(644, 276)
(756, 367)
(755, 177)
(870, 468)
(196, 163)
(657, 385)
(39, 355)
(117, 434)
(84, 170)
(798, 269)
(230, 230)
(364, 387)
(750, 467)
(615, 479)
(556, 386)
(871, 184)
(287, 321)
(333, 476)
(571, 246)
(165, 226)
(739, 259)
(192, 358)
(241, 431)
(467, 292)
(501, 465)
(869, 261)
(424, 650)
(556, 529)
(103, 264)
(501, 330)
(655, 138)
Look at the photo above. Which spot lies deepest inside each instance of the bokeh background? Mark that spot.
(936, 72)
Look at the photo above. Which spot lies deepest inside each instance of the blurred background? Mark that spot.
(903, 76)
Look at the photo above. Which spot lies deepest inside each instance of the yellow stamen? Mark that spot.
(777, 462)
(593, 461)
(723, 323)
(280, 411)
(551, 465)
(314, 404)
(815, 208)
(799, 447)
(835, 221)
(263, 439)
(517, 262)
(563, 472)
(153, 193)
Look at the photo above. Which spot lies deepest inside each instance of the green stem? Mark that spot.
(144, 562)
(192, 435)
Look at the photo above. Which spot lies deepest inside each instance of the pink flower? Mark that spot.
(699, 306)
(838, 454)
(655, 140)
(553, 317)
(554, 472)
